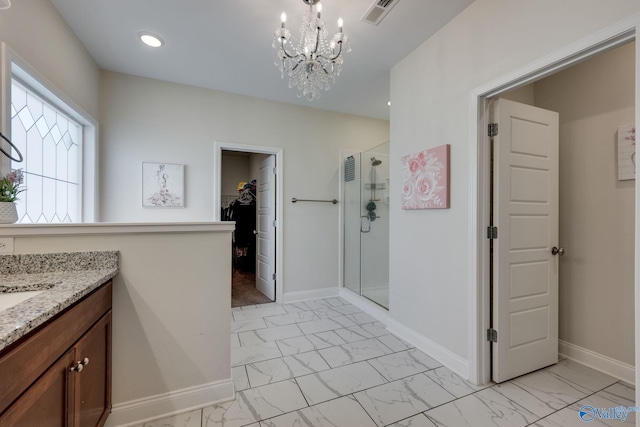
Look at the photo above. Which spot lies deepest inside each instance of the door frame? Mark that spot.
(479, 169)
(218, 148)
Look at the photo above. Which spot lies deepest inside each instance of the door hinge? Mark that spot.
(492, 232)
(492, 335)
(493, 129)
(275, 223)
(274, 170)
(273, 276)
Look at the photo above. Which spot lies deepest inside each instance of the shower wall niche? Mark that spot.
(366, 224)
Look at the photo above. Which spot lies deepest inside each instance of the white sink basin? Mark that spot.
(8, 300)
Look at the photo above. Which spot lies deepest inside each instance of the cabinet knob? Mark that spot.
(80, 364)
(77, 368)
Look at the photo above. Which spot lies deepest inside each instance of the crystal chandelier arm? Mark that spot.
(334, 57)
(315, 49)
(284, 50)
(298, 58)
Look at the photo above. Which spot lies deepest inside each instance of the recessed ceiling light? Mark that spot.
(5, 4)
(151, 39)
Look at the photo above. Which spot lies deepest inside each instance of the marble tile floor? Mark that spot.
(325, 363)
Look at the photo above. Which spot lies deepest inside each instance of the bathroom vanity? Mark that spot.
(159, 264)
(55, 346)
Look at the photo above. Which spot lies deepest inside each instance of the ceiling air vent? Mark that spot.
(378, 10)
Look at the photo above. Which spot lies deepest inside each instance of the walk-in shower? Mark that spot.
(366, 224)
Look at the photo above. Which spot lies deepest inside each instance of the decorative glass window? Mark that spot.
(51, 143)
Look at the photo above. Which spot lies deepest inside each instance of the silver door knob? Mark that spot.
(557, 251)
(255, 231)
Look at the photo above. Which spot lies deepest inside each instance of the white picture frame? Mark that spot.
(162, 185)
(626, 152)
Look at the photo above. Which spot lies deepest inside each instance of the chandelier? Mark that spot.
(312, 63)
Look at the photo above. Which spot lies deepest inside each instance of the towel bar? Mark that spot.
(294, 200)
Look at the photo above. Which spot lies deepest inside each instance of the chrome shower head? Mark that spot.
(375, 162)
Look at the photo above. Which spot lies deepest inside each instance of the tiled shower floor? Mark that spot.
(326, 363)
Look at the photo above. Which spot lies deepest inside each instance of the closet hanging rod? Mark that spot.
(294, 200)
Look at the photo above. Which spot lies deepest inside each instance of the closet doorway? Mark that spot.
(247, 193)
(595, 99)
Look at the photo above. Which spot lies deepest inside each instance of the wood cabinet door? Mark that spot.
(47, 403)
(93, 384)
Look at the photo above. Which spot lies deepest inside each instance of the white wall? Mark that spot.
(149, 120)
(430, 98)
(597, 212)
(171, 316)
(525, 95)
(35, 30)
(235, 169)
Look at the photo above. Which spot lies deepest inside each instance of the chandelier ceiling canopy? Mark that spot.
(312, 62)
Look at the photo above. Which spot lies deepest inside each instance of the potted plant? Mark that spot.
(9, 190)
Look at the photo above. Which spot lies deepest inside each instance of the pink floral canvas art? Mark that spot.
(425, 179)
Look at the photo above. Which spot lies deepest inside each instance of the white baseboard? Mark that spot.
(137, 412)
(451, 360)
(606, 364)
(371, 308)
(313, 294)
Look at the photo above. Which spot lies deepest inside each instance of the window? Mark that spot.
(51, 143)
(58, 141)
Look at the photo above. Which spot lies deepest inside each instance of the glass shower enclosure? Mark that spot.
(366, 224)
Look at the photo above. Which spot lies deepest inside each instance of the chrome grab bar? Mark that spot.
(294, 200)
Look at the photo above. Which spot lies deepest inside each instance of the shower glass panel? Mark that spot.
(375, 207)
(352, 209)
(366, 234)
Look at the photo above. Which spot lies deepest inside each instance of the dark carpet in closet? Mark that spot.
(243, 290)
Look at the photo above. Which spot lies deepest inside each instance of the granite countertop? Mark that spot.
(63, 278)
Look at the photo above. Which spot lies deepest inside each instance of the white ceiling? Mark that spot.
(226, 44)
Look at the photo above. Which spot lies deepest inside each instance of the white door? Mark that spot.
(525, 210)
(266, 238)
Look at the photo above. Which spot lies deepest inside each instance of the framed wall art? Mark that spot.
(626, 152)
(425, 179)
(162, 185)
